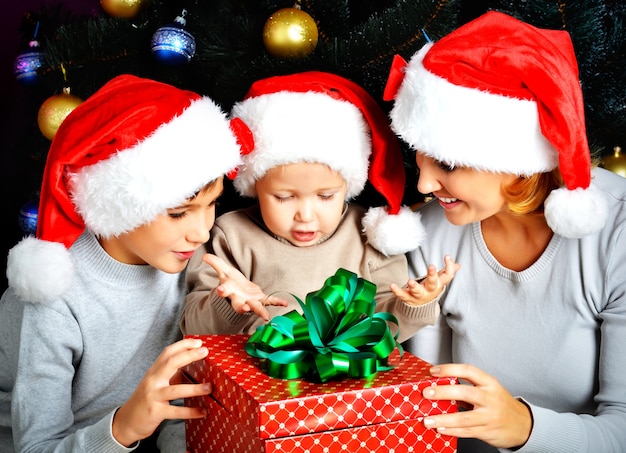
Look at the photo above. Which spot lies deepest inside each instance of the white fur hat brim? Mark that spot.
(133, 187)
(291, 127)
(467, 127)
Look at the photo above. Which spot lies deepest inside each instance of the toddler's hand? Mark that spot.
(244, 295)
(420, 293)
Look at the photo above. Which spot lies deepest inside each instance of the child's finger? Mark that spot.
(257, 307)
(220, 266)
(399, 292)
(431, 282)
(275, 301)
(173, 412)
(185, 390)
(179, 354)
(450, 269)
(416, 290)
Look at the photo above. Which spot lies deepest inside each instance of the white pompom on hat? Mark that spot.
(503, 96)
(132, 150)
(324, 118)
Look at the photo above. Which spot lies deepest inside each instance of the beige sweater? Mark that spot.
(240, 238)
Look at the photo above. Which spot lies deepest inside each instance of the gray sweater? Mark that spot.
(553, 334)
(79, 358)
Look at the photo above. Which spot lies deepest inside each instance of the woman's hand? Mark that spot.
(244, 295)
(150, 404)
(493, 415)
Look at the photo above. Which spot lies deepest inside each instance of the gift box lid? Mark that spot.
(279, 408)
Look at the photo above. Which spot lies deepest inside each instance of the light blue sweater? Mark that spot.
(80, 357)
(553, 334)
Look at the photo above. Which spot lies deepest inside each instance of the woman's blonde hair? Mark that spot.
(526, 194)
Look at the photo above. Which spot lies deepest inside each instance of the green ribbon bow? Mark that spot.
(338, 334)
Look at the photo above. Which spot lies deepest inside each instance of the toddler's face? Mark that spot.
(301, 203)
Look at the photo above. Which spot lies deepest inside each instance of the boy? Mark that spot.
(89, 323)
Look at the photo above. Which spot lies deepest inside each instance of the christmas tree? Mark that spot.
(228, 44)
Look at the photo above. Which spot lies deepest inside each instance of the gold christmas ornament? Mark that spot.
(290, 33)
(54, 110)
(616, 162)
(121, 8)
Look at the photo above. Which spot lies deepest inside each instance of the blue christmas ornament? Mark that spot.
(27, 63)
(27, 219)
(172, 44)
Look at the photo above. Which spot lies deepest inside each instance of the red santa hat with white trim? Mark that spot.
(132, 150)
(503, 96)
(324, 118)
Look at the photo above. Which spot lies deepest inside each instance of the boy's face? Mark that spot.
(168, 242)
(302, 202)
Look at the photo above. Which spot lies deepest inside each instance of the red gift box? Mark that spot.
(249, 411)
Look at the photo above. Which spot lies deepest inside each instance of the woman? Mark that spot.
(536, 321)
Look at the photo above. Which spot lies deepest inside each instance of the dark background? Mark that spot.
(597, 27)
(17, 169)
(20, 168)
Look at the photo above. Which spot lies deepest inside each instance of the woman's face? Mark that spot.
(467, 195)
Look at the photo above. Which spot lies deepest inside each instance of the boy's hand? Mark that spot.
(244, 295)
(420, 293)
(150, 404)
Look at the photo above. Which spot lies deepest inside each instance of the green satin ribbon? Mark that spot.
(338, 334)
